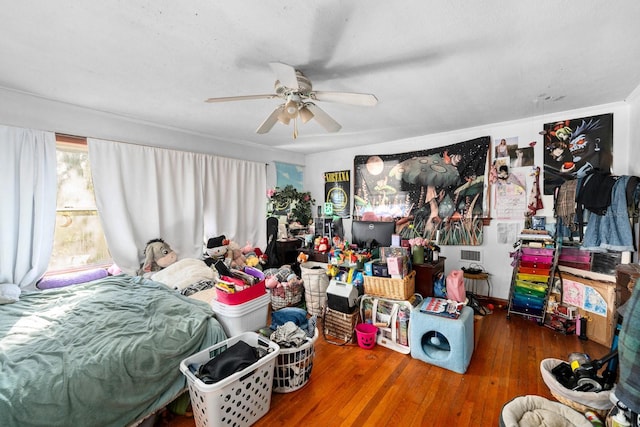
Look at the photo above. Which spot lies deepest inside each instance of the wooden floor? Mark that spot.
(350, 386)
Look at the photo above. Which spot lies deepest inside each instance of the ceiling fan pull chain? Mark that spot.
(295, 128)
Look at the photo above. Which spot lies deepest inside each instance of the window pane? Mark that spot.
(79, 239)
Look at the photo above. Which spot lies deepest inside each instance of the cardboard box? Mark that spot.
(598, 305)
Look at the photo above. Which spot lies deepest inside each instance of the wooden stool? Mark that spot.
(478, 277)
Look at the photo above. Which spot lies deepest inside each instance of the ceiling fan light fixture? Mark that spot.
(283, 117)
(291, 109)
(305, 114)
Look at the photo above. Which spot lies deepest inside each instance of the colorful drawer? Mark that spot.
(536, 287)
(537, 251)
(533, 270)
(528, 301)
(536, 265)
(537, 258)
(575, 254)
(529, 291)
(532, 277)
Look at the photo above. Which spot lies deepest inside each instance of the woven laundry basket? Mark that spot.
(316, 281)
(581, 401)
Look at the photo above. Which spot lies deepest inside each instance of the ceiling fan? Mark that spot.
(298, 96)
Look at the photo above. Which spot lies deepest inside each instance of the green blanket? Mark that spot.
(104, 353)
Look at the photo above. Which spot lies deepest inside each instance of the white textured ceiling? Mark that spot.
(434, 66)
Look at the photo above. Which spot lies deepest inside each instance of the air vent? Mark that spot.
(470, 256)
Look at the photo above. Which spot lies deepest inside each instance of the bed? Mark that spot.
(102, 353)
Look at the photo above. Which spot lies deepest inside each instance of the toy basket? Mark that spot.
(386, 287)
(240, 399)
(289, 295)
(316, 282)
(340, 326)
(581, 401)
(293, 366)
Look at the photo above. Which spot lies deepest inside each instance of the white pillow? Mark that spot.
(9, 293)
(183, 273)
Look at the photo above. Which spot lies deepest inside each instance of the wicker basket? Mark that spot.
(287, 296)
(339, 328)
(385, 287)
(580, 401)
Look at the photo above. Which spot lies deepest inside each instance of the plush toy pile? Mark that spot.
(232, 254)
(285, 286)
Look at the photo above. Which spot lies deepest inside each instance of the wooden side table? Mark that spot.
(426, 274)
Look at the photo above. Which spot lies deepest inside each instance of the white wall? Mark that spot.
(634, 132)
(31, 112)
(496, 258)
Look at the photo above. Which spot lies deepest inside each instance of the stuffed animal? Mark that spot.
(235, 257)
(302, 258)
(157, 255)
(252, 260)
(217, 248)
(323, 245)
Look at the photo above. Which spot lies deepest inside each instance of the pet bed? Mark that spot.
(536, 411)
(103, 353)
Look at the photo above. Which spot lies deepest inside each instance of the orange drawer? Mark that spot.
(533, 270)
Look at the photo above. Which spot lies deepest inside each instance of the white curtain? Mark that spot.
(235, 200)
(144, 193)
(28, 208)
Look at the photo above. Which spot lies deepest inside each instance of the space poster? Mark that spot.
(439, 192)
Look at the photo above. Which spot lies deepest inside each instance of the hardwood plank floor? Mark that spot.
(350, 386)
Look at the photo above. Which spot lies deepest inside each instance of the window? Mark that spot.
(79, 239)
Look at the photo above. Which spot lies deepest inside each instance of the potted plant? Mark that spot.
(297, 203)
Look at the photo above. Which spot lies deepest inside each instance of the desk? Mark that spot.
(287, 250)
(426, 274)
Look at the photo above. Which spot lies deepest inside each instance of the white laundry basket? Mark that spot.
(240, 399)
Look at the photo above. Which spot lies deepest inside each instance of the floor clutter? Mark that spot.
(356, 301)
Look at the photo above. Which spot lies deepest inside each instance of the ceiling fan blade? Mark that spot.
(286, 74)
(323, 118)
(270, 121)
(241, 98)
(363, 99)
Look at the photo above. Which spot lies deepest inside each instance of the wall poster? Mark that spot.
(576, 146)
(337, 191)
(287, 174)
(441, 191)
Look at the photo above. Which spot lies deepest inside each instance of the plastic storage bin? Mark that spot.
(241, 297)
(240, 399)
(293, 366)
(249, 316)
